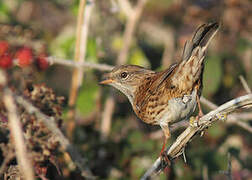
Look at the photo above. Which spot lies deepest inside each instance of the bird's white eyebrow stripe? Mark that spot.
(139, 72)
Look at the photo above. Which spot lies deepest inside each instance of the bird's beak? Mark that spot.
(107, 79)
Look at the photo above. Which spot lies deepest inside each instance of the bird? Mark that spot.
(164, 97)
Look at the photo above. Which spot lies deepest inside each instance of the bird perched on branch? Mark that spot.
(161, 98)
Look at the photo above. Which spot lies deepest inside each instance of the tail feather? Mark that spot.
(201, 38)
(189, 70)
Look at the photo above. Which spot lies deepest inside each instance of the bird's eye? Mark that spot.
(123, 75)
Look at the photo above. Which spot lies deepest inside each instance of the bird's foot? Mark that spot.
(194, 121)
(165, 159)
(200, 115)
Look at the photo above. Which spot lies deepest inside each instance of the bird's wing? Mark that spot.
(154, 85)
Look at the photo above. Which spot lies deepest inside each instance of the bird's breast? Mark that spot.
(163, 109)
(179, 108)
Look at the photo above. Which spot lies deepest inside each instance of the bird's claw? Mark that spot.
(194, 121)
(165, 159)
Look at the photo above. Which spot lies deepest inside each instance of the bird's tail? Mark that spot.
(201, 38)
(190, 69)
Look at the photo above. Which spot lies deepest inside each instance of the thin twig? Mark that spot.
(169, 48)
(240, 123)
(129, 31)
(77, 72)
(126, 7)
(245, 116)
(84, 15)
(205, 173)
(73, 64)
(233, 118)
(208, 103)
(228, 172)
(177, 147)
(245, 84)
(122, 58)
(64, 142)
(156, 33)
(84, 35)
(79, 54)
(15, 127)
(106, 115)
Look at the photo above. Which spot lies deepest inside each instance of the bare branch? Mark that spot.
(208, 103)
(178, 146)
(126, 7)
(73, 64)
(245, 84)
(205, 172)
(106, 115)
(243, 125)
(245, 116)
(84, 14)
(129, 31)
(121, 59)
(157, 33)
(233, 118)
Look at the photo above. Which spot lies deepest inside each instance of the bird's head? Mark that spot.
(126, 78)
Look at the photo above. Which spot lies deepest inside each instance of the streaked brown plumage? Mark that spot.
(160, 98)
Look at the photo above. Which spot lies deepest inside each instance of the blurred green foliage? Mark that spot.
(212, 75)
(92, 50)
(86, 98)
(138, 58)
(4, 12)
(63, 46)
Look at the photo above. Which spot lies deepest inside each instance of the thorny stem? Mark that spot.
(64, 142)
(24, 163)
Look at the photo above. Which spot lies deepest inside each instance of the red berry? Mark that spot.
(42, 62)
(5, 61)
(4, 46)
(24, 57)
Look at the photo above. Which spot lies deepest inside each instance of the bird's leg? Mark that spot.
(200, 114)
(167, 135)
(163, 147)
(200, 109)
(194, 121)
